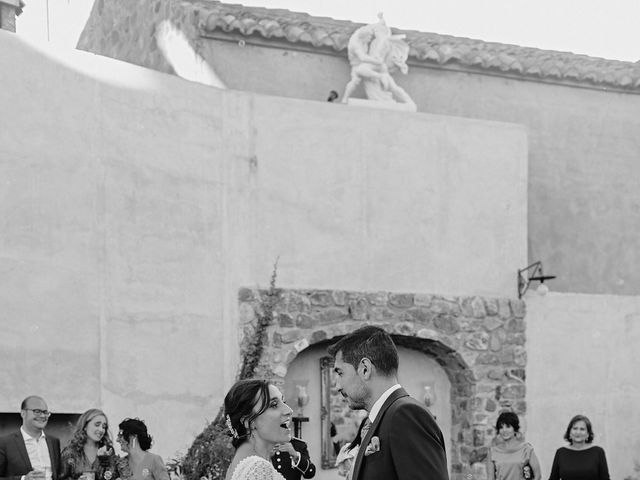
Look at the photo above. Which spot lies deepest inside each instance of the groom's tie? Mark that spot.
(365, 428)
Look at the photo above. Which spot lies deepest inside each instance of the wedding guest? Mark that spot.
(580, 460)
(511, 458)
(139, 463)
(89, 454)
(29, 454)
(292, 460)
(257, 419)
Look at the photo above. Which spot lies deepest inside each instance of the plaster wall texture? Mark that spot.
(135, 205)
(583, 358)
(583, 148)
(112, 246)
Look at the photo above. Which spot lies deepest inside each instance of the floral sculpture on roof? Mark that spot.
(374, 54)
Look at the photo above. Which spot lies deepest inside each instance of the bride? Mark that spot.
(257, 419)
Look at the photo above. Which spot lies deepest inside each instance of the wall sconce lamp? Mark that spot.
(534, 272)
(303, 399)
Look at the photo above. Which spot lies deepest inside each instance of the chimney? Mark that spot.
(9, 10)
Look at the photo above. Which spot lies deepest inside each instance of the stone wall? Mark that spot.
(479, 342)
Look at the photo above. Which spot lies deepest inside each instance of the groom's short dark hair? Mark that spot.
(368, 342)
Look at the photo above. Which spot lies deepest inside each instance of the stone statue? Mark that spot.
(374, 54)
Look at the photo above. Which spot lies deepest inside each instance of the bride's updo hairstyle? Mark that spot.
(137, 428)
(246, 401)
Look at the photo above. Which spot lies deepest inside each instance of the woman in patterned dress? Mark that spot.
(89, 455)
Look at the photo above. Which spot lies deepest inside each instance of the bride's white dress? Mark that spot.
(255, 468)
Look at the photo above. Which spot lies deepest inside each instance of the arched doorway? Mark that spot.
(419, 373)
(479, 343)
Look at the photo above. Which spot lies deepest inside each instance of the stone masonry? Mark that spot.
(479, 342)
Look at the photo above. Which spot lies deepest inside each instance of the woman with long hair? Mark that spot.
(89, 455)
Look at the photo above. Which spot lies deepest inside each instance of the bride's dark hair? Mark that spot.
(239, 405)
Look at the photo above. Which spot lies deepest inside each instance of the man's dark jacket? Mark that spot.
(282, 462)
(14, 459)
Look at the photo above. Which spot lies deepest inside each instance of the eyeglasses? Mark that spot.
(37, 412)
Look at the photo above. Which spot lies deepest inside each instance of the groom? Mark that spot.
(402, 440)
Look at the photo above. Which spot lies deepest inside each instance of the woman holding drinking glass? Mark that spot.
(89, 455)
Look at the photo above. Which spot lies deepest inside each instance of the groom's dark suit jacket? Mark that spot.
(14, 459)
(411, 443)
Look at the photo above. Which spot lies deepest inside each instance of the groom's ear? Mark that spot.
(365, 369)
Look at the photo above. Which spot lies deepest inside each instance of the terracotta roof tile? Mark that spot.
(295, 27)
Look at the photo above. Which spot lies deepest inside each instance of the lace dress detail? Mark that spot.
(255, 468)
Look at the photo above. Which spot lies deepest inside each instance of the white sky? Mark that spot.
(599, 28)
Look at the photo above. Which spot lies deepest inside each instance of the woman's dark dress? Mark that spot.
(588, 464)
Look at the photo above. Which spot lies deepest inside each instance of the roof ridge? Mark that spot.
(428, 48)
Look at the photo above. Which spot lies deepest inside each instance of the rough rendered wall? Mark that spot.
(135, 204)
(111, 243)
(584, 204)
(583, 200)
(583, 358)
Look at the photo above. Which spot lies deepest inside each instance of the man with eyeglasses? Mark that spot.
(29, 454)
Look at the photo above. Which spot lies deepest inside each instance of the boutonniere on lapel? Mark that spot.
(373, 447)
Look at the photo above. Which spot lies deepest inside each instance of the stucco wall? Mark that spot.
(583, 358)
(135, 204)
(131, 211)
(583, 148)
(111, 243)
